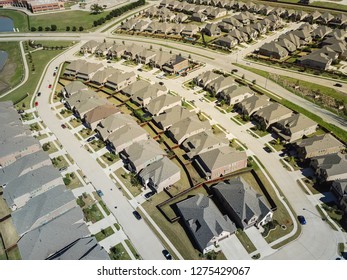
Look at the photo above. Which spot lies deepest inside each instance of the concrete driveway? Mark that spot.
(233, 249)
(260, 243)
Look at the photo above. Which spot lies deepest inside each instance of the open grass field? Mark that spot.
(13, 70)
(20, 20)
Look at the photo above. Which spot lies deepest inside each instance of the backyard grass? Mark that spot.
(149, 131)
(333, 212)
(93, 214)
(245, 241)
(104, 233)
(118, 252)
(12, 72)
(102, 204)
(110, 158)
(132, 249)
(324, 218)
(20, 19)
(22, 96)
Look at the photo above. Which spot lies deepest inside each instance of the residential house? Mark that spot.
(234, 95)
(73, 87)
(128, 24)
(320, 32)
(141, 154)
(100, 77)
(339, 20)
(152, 27)
(293, 39)
(204, 222)
(251, 33)
(252, 104)
(242, 203)
(23, 165)
(163, 28)
(187, 127)
(161, 59)
(126, 136)
(160, 174)
(330, 167)
(273, 50)
(232, 21)
(220, 162)
(112, 123)
(59, 233)
(177, 29)
(43, 208)
(318, 146)
(304, 35)
(211, 29)
(171, 116)
(132, 51)
(261, 29)
(141, 25)
(145, 56)
(79, 97)
(295, 127)
(103, 48)
(227, 41)
(286, 44)
(325, 18)
(117, 51)
(276, 21)
(89, 47)
(243, 18)
(85, 248)
(31, 184)
(161, 103)
(225, 27)
(189, 30)
(239, 35)
(339, 189)
(202, 142)
(220, 84)
(272, 113)
(92, 118)
(176, 65)
(80, 109)
(88, 70)
(180, 18)
(205, 78)
(313, 17)
(119, 80)
(213, 12)
(317, 60)
(74, 66)
(198, 17)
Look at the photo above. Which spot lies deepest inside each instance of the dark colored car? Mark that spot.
(161, 83)
(90, 138)
(167, 254)
(148, 195)
(20, 111)
(267, 149)
(39, 93)
(137, 215)
(54, 73)
(63, 168)
(49, 86)
(100, 193)
(63, 126)
(302, 220)
(337, 85)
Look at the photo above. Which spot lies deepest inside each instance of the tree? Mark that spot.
(33, 29)
(67, 28)
(47, 28)
(96, 9)
(53, 27)
(74, 28)
(134, 180)
(40, 28)
(80, 28)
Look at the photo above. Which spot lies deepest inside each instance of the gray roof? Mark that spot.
(113, 123)
(297, 122)
(74, 87)
(40, 207)
(203, 141)
(86, 248)
(173, 115)
(23, 165)
(29, 182)
(203, 219)
(80, 97)
(272, 112)
(126, 134)
(333, 164)
(159, 171)
(60, 232)
(321, 142)
(254, 102)
(143, 151)
(243, 199)
(156, 104)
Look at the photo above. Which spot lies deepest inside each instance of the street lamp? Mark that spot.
(323, 219)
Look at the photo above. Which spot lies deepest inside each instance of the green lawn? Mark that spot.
(59, 162)
(118, 252)
(332, 5)
(110, 158)
(135, 190)
(97, 145)
(20, 19)
(74, 181)
(246, 242)
(49, 147)
(13, 71)
(93, 214)
(64, 19)
(259, 132)
(39, 60)
(104, 233)
(102, 204)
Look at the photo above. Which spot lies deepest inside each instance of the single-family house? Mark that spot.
(242, 203)
(118, 81)
(73, 87)
(89, 47)
(189, 30)
(243, 18)
(239, 35)
(100, 77)
(204, 222)
(220, 162)
(234, 95)
(117, 51)
(92, 118)
(176, 65)
(339, 189)
(161, 59)
(161, 103)
(218, 85)
(320, 32)
(318, 146)
(160, 174)
(211, 29)
(80, 109)
(198, 17)
(205, 78)
(251, 33)
(103, 48)
(286, 44)
(227, 41)
(79, 98)
(132, 51)
(145, 56)
(317, 60)
(171, 116)
(330, 167)
(273, 50)
(252, 104)
(294, 128)
(274, 112)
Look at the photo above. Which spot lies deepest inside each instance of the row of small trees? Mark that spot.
(53, 27)
(117, 12)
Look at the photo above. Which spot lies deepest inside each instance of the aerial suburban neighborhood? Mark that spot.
(163, 129)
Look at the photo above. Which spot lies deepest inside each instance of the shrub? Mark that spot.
(67, 28)
(66, 181)
(33, 29)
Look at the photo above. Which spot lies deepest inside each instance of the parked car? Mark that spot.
(36, 104)
(137, 215)
(109, 61)
(337, 85)
(54, 73)
(100, 193)
(90, 138)
(267, 149)
(20, 111)
(148, 195)
(167, 254)
(62, 168)
(161, 83)
(50, 86)
(63, 126)
(302, 220)
(140, 70)
(39, 93)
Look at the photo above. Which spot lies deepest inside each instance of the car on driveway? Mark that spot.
(100, 193)
(148, 195)
(167, 254)
(90, 138)
(137, 215)
(63, 126)
(50, 86)
(62, 168)
(302, 220)
(39, 93)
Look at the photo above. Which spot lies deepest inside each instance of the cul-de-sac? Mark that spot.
(173, 130)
